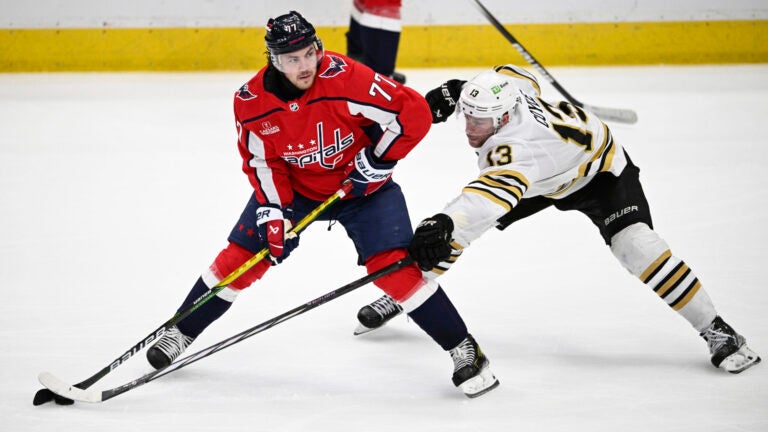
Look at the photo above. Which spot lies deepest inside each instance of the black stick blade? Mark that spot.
(43, 396)
(61, 400)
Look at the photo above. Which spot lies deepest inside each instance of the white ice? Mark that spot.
(117, 190)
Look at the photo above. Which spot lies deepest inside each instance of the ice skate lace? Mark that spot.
(717, 338)
(173, 343)
(385, 306)
(463, 355)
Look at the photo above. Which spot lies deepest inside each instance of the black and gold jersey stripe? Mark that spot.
(444, 266)
(503, 187)
(600, 161)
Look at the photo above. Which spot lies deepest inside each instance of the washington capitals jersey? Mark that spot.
(549, 149)
(307, 145)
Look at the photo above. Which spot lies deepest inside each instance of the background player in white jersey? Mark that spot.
(532, 155)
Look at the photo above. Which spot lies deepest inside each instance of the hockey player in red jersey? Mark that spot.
(306, 123)
(533, 154)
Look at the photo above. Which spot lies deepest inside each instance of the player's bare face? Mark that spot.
(478, 130)
(300, 67)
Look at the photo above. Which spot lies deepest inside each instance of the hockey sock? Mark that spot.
(202, 317)
(676, 284)
(402, 284)
(440, 320)
(354, 45)
(380, 49)
(647, 256)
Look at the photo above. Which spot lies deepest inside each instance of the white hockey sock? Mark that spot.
(646, 255)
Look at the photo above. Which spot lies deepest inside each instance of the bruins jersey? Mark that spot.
(549, 149)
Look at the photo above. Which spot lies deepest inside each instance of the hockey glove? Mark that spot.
(369, 173)
(431, 242)
(442, 100)
(274, 225)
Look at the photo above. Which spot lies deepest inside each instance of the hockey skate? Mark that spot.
(729, 349)
(377, 314)
(168, 348)
(471, 371)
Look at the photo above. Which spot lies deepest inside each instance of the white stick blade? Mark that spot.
(63, 389)
(618, 115)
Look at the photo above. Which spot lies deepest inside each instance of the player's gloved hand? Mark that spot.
(442, 100)
(431, 242)
(274, 225)
(369, 173)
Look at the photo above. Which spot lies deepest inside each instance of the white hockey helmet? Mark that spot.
(489, 95)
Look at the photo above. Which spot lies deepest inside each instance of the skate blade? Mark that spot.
(361, 329)
(740, 361)
(481, 384)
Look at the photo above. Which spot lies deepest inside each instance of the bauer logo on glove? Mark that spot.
(369, 173)
(442, 100)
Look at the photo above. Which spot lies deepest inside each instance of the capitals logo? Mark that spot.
(244, 94)
(336, 67)
(320, 151)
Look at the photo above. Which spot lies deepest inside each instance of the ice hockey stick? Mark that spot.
(71, 392)
(45, 395)
(612, 114)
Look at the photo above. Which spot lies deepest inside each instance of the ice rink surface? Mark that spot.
(117, 190)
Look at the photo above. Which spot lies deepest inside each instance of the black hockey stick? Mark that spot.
(65, 390)
(615, 114)
(45, 395)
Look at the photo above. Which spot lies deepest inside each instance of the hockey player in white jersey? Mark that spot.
(533, 154)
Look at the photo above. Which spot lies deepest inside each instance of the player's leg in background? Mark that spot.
(374, 35)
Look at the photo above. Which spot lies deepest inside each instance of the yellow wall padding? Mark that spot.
(191, 49)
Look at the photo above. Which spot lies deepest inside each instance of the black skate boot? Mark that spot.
(471, 372)
(168, 348)
(377, 314)
(729, 349)
(398, 77)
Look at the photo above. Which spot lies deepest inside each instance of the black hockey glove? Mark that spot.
(274, 225)
(442, 100)
(431, 242)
